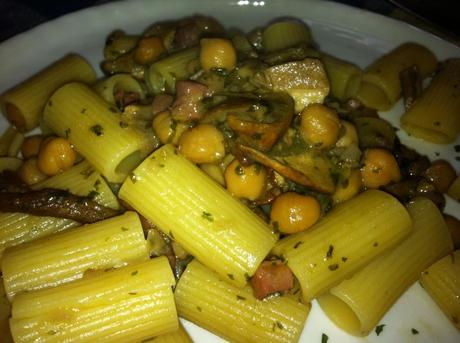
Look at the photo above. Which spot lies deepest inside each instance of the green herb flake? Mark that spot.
(298, 244)
(457, 148)
(123, 125)
(113, 110)
(161, 165)
(330, 251)
(414, 331)
(437, 123)
(132, 293)
(276, 227)
(239, 170)
(124, 228)
(379, 329)
(333, 267)
(208, 216)
(83, 110)
(97, 130)
(199, 308)
(247, 277)
(52, 332)
(67, 133)
(279, 325)
(375, 245)
(150, 339)
(50, 103)
(344, 259)
(171, 235)
(134, 273)
(324, 338)
(239, 297)
(231, 277)
(87, 172)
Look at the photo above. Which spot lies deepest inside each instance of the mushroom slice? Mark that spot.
(307, 169)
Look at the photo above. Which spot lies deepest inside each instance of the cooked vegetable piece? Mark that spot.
(272, 276)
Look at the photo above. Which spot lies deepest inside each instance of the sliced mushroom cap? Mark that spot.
(307, 169)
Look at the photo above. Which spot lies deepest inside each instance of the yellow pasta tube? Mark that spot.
(199, 214)
(96, 130)
(381, 87)
(5, 140)
(434, 116)
(178, 336)
(10, 163)
(357, 304)
(5, 313)
(23, 104)
(129, 304)
(17, 228)
(82, 179)
(442, 282)
(340, 73)
(345, 240)
(66, 256)
(107, 88)
(285, 34)
(234, 313)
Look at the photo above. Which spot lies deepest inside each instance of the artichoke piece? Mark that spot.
(305, 81)
(307, 169)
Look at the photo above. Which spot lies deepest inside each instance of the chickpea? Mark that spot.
(348, 189)
(148, 50)
(167, 129)
(293, 212)
(349, 137)
(202, 144)
(31, 146)
(29, 172)
(441, 174)
(217, 53)
(320, 125)
(379, 169)
(56, 155)
(246, 182)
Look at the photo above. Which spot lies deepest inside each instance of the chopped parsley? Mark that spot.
(123, 125)
(379, 329)
(92, 194)
(124, 228)
(134, 273)
(330, 251)
(132, 293)
(333, 267)
(457, 148)
(208, 216)
(239, 297)
(324, 338)
(199, 308)
(279, 325)
(67, 133)
(83, 110)
(344, 258)
(97, 130)
(239, 170)
(231, 277)
(414, 331)
(298, 244)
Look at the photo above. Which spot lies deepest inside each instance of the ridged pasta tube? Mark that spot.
(19, 228)
(199, 214)
(442, 282)
(345, 240)
(107, 88)
(178, 336)
(96, 130)
(434, 116)
(23, 104)
(83, 180)
(357, 304)
(380, 84)
(66, 256)
(234, 313)
(129, 304)
(285, 34)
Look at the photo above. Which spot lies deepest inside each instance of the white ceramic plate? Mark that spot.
(346, 32)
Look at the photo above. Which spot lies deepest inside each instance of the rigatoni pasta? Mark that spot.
(107, 88)
(349, 237)
(178, 336)
(357, 304)
(18, 228)
(434, 116)
(234, 313)
(23, 104)
(380, 85)
(76, 112)
(66, 256)
(442, 282)
(84, 180)
(129, 304)
(199, 214)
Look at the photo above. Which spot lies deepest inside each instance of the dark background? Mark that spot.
(440, 17)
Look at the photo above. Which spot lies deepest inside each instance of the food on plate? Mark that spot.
(358, 304)
(254, 164)
(434, 115)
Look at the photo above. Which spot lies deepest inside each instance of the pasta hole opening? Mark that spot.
(129, 163)
(15, 116)
(341, 314)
